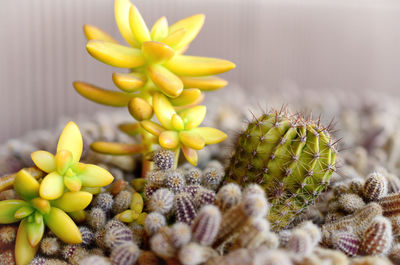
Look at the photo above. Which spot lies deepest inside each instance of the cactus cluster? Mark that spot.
(290, 156)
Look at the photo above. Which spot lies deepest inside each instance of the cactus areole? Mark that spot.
(291, 156)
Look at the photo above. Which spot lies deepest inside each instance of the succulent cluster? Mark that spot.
(290, 156)
(161, 81)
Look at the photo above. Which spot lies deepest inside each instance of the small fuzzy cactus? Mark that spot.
(390, 205)
(375, 187)
(160, 244)
(290, 156)
(125, 254)
(194, 254)
(193, 176)
(122, 201)
(185, 210)
(87, 235)
(156, 178)
(228, 196)
(350, 202)
(346, 242)
(206, 225)
(154, 221)
(164, 159)
(212, 177)
(300, 242)
(96, 218)
(174, 180)
(253, 234)
(180, 234)
(378, 237)
(95, 260)
(204, 197)
(103, 201)
(8, 233)
(161, 201)
(50, 246)
(117, 236)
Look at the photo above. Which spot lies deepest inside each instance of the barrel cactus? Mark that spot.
(290, 156)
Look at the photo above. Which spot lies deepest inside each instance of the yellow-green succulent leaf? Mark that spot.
(24, 252)
(182, 50)
(71, 140)
(115, 54)
(94, 33)
(95, 176)
(42, 205)
(140, 109)
(184, 65)
(165, 80)
(35, 232)
(25, 185)
(190, 155)
(128, 216)
(64, 160)
(141, 219)
(193, 117)
(177, 122)
(159, 30)
(44, 160)
(110, 148)
(192, 140)
(23, 212)
(73, 183)
(175, 38)
(78, 216)
(192, 24)
(157, 52)
(152, 127)
(62, 226)
(121, 9)
(187, 97)
(77, 169)
(52, 186)
(137, 202)
(8, 209)
(138, 26)
(38, 217)
(138, 184)
(131, 129)
(210, 135)
(103, 96)
(169, 139)
(73, 201)
(128, 82)
(205, 83)
(163, 110)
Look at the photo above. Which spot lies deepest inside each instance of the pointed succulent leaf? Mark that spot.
(163, 110)
(192, 25)
(210, 135)
(44, 160)
(94, 33)
(177, 122)
(115, 54)
(103, 96)
(184, 65)
(160, 29)
(63, 226)
(78, 216)
(136, 202)
(175, 38)
(71, 140)
(192, 140)
(205, 83)
(8, 209)
(193, 117)
(72, 182)
(91, 190)
(26, 185)
(140, 109)
(116, 148)
(131, 129)
(190, 155)
(152, 127)
(138, 26)
(95, 176)
(129, 82)
(187, 97)
(23, 212)
(157, 52)
(64, 160)
(121, 9)
(73, 201)
(24, 252)
(35, 232)
(52, 186)
(169, 139)
(128, 216)
(165, 80)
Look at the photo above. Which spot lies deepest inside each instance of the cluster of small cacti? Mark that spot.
(161, 81)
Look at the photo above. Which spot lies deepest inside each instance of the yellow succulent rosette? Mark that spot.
(180, 130)
(34, 213)
(64, 171)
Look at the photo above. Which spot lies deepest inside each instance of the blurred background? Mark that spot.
(346, 45)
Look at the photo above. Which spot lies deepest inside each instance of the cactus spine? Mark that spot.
(291, 157)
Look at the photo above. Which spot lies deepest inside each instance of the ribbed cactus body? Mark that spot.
(291, 157)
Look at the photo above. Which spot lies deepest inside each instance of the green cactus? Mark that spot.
(290, 156)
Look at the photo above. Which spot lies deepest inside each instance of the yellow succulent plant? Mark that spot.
(34, 213)
(157, 68)
(180, 130)
(64, 171)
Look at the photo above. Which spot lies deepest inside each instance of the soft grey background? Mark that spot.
(323, 44)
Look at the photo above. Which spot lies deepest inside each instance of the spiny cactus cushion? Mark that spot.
(290, 156)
